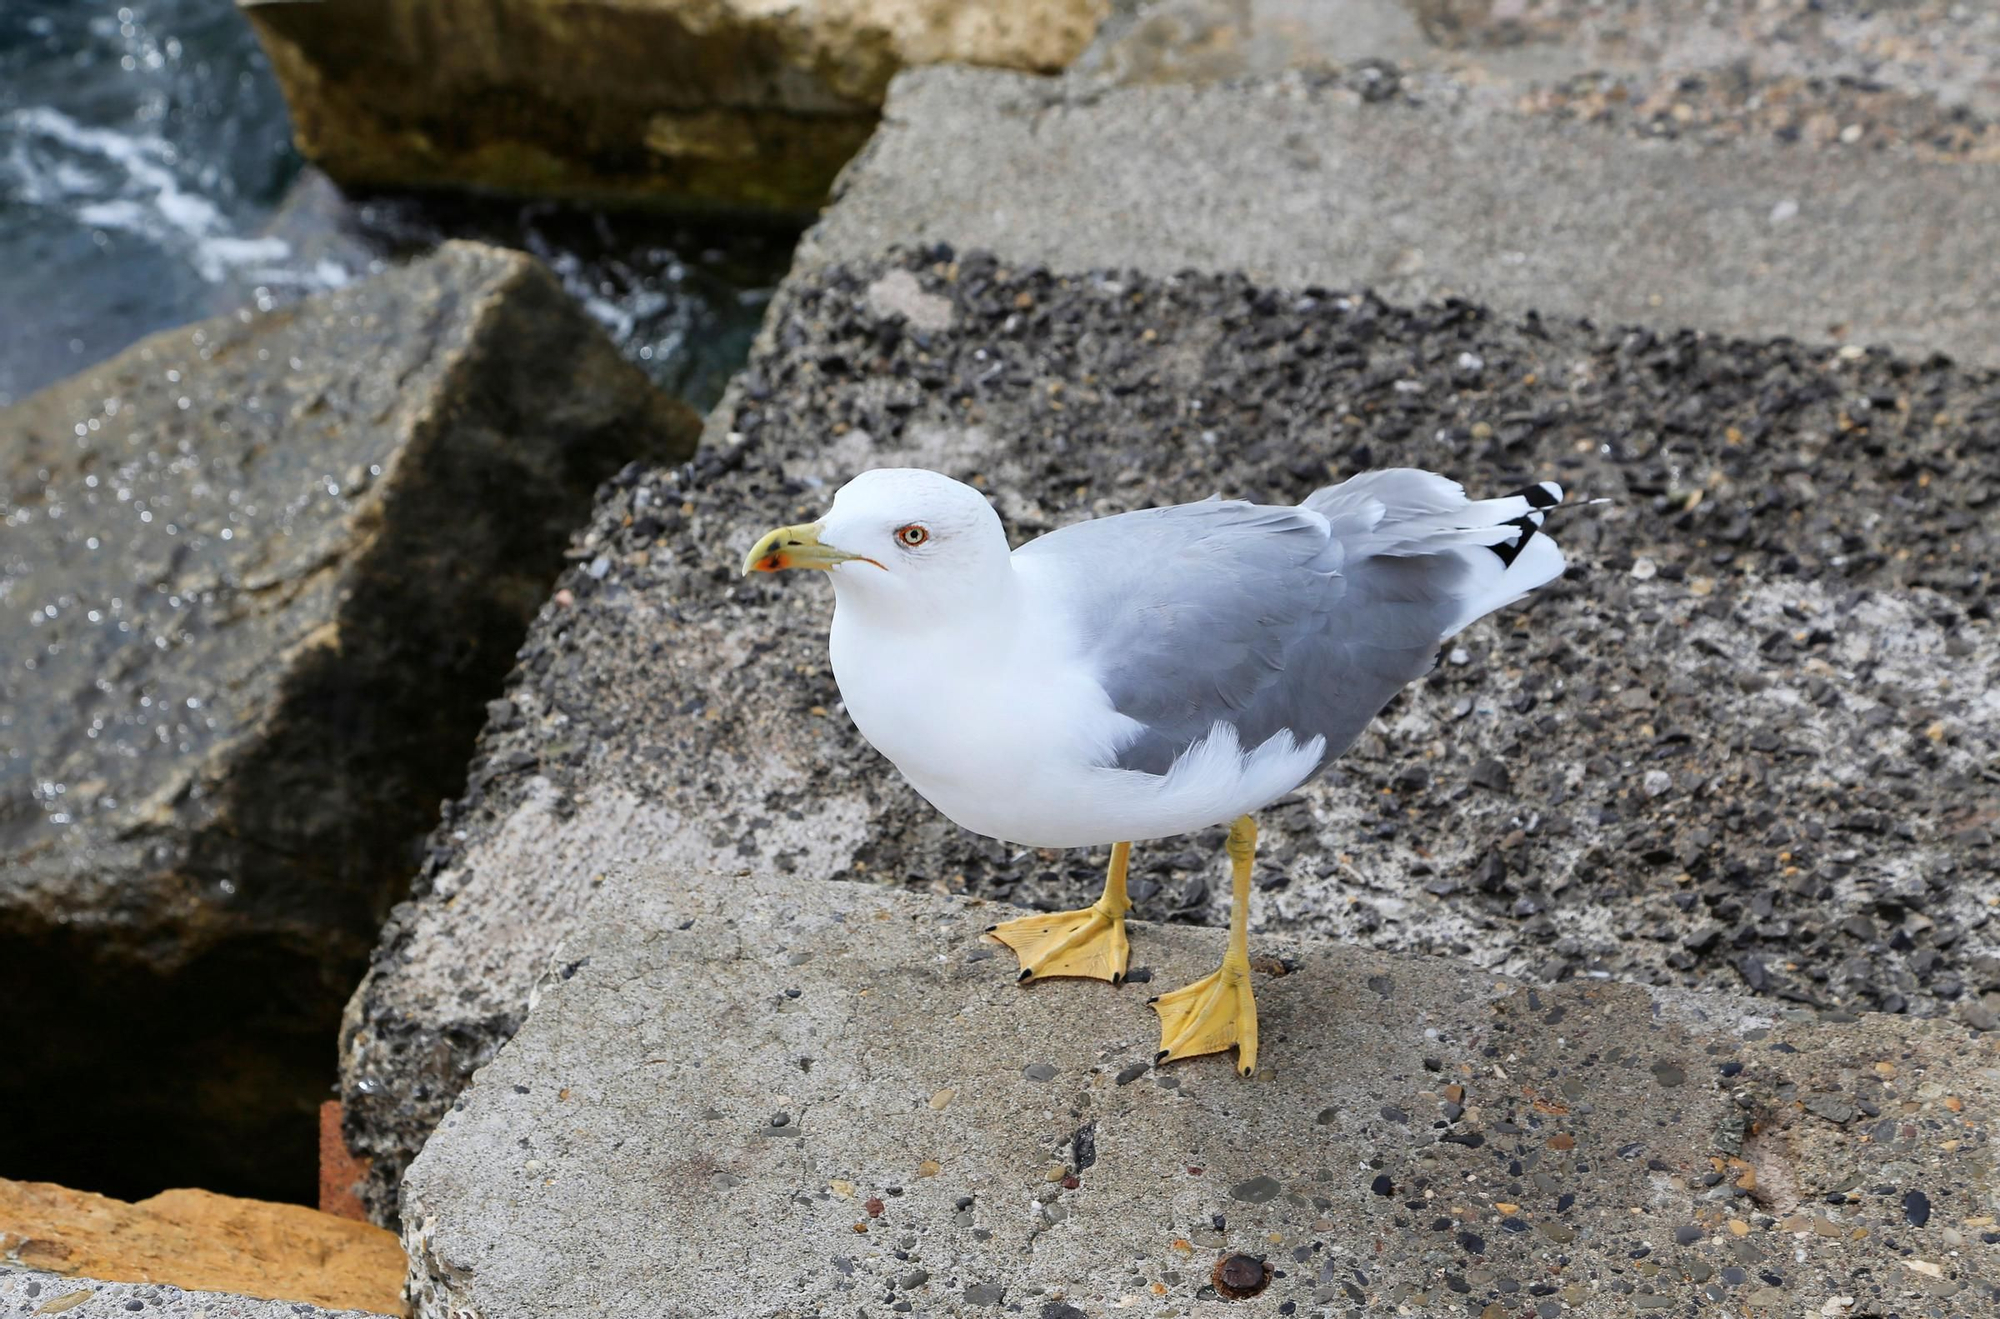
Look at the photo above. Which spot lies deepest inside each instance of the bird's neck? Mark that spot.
(981, 609)
(919, 677)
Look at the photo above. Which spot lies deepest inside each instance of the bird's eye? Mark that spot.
(912, 535)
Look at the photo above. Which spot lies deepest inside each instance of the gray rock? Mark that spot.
(262, 574)
(28, 1292)
(582, 1173)
(1296, 185)
(1834, 1108)
(672, 709)
(1829, 1106)
(1256, 1191)
(1108, 385)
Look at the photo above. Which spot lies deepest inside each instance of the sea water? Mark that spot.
(148, 178)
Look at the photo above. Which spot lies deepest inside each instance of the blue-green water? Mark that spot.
(140, 149)
(147, 178)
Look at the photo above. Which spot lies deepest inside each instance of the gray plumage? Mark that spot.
(1272, 618)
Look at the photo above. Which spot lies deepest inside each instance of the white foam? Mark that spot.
(244, 251)
(117, 214)
(123, 181)
(322, 274)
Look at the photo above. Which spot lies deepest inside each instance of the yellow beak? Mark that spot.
(794, 547)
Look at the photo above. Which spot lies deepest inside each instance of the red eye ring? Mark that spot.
(912, 536)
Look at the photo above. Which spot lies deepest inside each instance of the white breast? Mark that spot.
(1007, 732)
(975, 723)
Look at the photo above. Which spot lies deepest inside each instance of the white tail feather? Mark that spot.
(1538, 563)
(1405, 512)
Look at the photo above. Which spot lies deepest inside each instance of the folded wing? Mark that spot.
(1271, 618)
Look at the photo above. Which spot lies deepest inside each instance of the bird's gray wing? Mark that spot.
(1264, 617)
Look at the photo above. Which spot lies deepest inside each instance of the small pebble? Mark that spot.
(1256, 1191)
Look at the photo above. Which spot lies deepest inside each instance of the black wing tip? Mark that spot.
(1508, 551)
(1542, 494)
(1540, 497)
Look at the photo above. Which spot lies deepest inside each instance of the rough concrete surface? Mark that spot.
(740, 1094)
(1751, 740)
(255, 577)
(27, 1292)
(1920, 80)
(1295, 184)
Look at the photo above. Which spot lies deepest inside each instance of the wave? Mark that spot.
(127, 182)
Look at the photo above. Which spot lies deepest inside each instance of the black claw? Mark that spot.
(1161, 1056)
(1026, 971)
(1154, 999)
(991, 928)
(1117, 979)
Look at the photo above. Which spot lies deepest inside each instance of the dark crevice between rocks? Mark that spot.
(127, 1081)
(680, 295)
(200, 1053)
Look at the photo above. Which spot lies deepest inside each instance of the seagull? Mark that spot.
(1147, 674)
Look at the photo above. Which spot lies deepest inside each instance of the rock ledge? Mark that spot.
(741, 1094)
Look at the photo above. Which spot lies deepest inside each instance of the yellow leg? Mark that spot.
(1217, 1011)
(1090, 942)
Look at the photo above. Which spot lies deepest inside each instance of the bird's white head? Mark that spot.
(898, 540)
